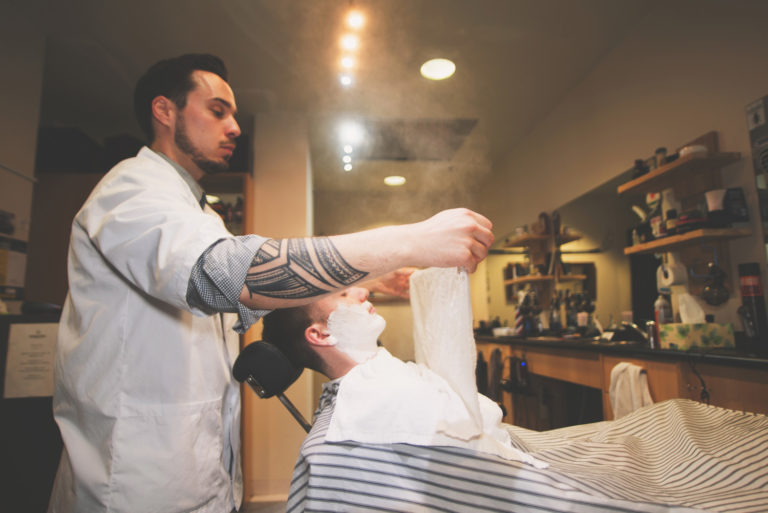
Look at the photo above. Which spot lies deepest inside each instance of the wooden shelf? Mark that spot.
(529, 279)
(661, 178)
(544, 278)
(673, 242)
(528, 238)
(572, 277)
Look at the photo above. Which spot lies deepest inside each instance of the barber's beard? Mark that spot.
(355, 330)
(182, 140)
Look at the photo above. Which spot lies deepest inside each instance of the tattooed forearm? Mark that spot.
(299, 268)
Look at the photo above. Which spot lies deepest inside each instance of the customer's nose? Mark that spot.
(361, 294)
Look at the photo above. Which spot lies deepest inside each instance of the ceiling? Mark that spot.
(515, 60)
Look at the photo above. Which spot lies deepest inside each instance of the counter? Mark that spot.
(729, 379)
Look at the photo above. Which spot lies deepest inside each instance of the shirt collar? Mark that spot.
(197, 191)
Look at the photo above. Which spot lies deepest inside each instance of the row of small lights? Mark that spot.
(351, 133)
(350, 42)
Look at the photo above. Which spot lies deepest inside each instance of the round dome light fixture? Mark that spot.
(438, 69)
(347, 167)
(394, 180)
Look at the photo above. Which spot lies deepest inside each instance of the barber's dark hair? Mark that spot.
(171, 78)
(284, 329)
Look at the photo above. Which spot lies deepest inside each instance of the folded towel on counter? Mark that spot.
(629, 389)
(433, 402)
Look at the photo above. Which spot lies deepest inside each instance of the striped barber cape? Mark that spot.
(678, 455)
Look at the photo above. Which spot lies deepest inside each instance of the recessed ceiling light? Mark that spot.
(345, 80)
(394, 181)
(438, 69)
(347, 148)
(351, 133)
(348, 62)
(347, 167)
(350, 42)
(347, 159)
(355, 19)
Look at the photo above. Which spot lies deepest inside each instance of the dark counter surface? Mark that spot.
(714, 355)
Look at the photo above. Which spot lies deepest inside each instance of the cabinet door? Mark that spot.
(736, 388)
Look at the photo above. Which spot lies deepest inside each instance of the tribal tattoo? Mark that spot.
(299, 268)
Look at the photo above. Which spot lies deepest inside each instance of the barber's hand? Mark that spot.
(453, 238)
(397, 283)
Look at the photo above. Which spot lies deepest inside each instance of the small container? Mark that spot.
(662, 309)
(671, 221)
(661, 156)
(652, 331)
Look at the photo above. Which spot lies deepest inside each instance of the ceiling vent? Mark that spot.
(419, 139)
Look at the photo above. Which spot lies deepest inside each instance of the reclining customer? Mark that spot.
(385, 400)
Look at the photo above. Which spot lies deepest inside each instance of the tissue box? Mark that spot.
(681, 336)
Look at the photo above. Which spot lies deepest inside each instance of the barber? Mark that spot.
(159, 289)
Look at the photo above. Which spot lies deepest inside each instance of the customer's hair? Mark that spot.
(284, 329)
(171, 78)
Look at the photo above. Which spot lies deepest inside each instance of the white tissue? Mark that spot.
(690, 311)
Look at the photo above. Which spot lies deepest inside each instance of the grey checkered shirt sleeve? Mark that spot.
(218, 277)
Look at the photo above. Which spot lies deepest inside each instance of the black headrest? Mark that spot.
(268, 366)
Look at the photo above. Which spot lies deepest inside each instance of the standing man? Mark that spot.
(159, 289)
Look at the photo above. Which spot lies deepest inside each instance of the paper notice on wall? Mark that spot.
(29, 366)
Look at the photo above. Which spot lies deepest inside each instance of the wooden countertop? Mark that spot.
(714, 355)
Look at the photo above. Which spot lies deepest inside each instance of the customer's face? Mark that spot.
(206, 128)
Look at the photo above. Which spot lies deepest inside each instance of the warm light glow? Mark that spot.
(438, 69)
(346, 80)
(355, 19)
(347, 148)
(347, 167)
(351, 133)
(347, 159)
(348, 62)
(212, 199)
(394, 181)
(350, 42)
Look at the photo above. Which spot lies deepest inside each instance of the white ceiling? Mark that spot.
(515, 60)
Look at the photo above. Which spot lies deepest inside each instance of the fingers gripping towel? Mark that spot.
(434, 401)
(629, 389)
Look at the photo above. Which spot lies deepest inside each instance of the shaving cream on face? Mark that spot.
(354, 330)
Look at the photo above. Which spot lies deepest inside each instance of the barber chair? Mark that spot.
(269, 373)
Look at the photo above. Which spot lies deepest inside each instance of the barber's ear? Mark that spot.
(317, 334)
(163, 110)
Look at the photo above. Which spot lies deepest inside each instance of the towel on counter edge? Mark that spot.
(629, 389)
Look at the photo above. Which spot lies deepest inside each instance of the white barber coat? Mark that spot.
(144, 397)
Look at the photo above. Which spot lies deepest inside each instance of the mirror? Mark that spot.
(601, 245)
(758, 139)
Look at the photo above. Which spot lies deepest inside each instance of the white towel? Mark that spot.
(385, 400)
(629, 389)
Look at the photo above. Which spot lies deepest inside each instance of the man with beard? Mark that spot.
(158, 290)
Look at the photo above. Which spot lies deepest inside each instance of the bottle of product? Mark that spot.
(753, 304)
(662, 309)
